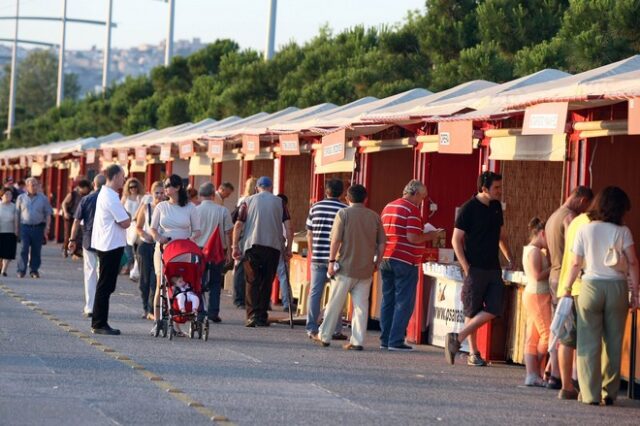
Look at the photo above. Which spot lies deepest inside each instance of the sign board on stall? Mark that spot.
(289, 144)
(455, 137)
(529, 148)
(186, 149)
(333, 147)
(107, 154)
(545, 119)
(165, 152)
(91, 156)
(123, 156)
(633, 121)
(447, 315)
(250, 144)
(215, 149)
(141, 153)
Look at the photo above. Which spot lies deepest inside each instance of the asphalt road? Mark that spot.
(54, 371)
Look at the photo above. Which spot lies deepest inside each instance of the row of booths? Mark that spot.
(545, 133)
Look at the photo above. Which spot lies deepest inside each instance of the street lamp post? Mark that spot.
(12, 82)
(60, 94)
(107, 49)
(271, 30)
(168, 49)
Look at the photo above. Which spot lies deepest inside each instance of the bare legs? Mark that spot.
(471, 327)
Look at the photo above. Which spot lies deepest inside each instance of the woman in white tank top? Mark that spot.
(537, 303)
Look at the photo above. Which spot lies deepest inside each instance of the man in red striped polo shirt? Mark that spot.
(403, 226)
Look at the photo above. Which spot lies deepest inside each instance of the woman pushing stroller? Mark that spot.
(174, 219)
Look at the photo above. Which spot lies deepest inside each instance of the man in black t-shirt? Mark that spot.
(476, 238)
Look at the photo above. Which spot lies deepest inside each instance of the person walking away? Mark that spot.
(146, 247)
(605, 253)
(567, 344)
(224, 191)
(83, 222)
(238, 273)
(319, 224)
(259, 223)
(537, 303)
(108, 238)
(131, 197)
(213, 216)
(34, 216)
(283, 278)
(69, 207)
(8, 229)
(173, 219)
(406, 239)
(477, 236)
(555, 231)
(357, 246)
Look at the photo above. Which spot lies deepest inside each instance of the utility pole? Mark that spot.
(271, 30)
(168, 48)
(107, 49)
(60, 94)
(12, 83)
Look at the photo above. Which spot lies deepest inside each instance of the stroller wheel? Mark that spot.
(192, 329)
(156, 330)
(172, 333)
(164, 329)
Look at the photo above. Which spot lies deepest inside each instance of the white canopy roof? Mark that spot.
(121, 142)
(221, 132)
(182, 133)
(308, 113)
(610, 80)
(403, 113)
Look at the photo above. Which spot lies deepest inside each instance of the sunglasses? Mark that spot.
(133, 186)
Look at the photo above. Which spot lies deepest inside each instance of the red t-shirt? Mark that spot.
(399, 218)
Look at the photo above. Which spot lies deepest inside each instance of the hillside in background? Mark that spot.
(447, 43)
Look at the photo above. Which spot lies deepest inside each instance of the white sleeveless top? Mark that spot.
(534, 286)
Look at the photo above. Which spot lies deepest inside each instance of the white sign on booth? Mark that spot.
(447, 315)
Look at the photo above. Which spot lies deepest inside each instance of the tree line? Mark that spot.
(447, 43)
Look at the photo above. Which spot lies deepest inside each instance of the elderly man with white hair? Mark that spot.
(406, 240)
(34, 220)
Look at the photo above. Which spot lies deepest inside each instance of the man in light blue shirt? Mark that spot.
(34, 218)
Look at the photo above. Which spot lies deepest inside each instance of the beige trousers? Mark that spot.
(359, 289)
(602, 311)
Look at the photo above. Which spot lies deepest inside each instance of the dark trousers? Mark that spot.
(264, 261)
(32, 237)
(107, 277)
(213, 275)
(147, 283)
(239, 286)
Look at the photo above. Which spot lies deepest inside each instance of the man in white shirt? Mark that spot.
(108, 238)
(224, 191)
(214, 216)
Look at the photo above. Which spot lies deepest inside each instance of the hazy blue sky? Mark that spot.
(145, 21)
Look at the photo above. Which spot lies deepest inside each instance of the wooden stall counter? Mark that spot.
(498, 340)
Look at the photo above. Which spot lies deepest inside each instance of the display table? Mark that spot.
(498, 340)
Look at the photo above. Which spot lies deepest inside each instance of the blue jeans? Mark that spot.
(213, 274)
(318, 282)
(284, 285)
(399, 282)
(147, 283)
(32, 237)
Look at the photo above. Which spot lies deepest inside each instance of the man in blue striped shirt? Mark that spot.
(319, 224)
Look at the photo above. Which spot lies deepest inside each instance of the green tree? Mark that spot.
(172, 111)
(36, 86)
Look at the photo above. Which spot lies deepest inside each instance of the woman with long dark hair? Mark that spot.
(146, 248)
(174, 219)
(605, 252)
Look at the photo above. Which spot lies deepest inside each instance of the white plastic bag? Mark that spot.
(134, 274)
(562, 324)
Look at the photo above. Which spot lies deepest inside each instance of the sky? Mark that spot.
(245, 21)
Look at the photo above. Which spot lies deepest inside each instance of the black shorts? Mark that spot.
(483, 290)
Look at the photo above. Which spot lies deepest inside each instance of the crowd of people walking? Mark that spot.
(583, 253)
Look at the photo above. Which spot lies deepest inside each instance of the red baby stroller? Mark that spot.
(182, 258)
